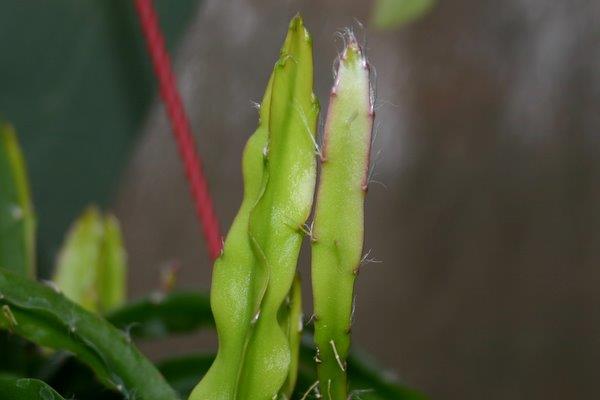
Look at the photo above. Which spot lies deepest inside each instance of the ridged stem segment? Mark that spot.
(239, 281)
(277, 222)
(292, 321)
(338, 223)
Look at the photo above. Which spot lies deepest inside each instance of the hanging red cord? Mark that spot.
(180, 125)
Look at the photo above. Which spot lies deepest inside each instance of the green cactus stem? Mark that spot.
(293, 322)
(239, 281)
(277, 221)
(338, 230)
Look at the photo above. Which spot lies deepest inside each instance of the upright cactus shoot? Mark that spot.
(338, 223)
(238, 282)
(277, 222)
(254, 275)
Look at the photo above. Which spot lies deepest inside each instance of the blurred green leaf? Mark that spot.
(161, 315)
(47, 318)
(91, 268)
(17, 223)
(394, 13)
(112, 271)
(27, 389)
(76, 83)
(76, 272)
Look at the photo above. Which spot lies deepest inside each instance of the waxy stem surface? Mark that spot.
(338, 228)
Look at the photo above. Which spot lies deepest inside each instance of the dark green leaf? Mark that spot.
(157, 316)
(73, 380)
(49, 319)
(26, 389)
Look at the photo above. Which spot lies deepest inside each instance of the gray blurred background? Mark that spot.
(486, 217)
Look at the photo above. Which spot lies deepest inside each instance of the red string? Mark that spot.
(180, 125)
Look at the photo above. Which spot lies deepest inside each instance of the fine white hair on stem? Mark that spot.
(312, 388)
(372, 169)
(307, 129)
(380, 103)
(338, 359)
(335, 66)
(352, 312)
(361, 27)
(374, 161)
(355, 394)
(347, 36)
(320, 132)
(368, 259)
(372, 83)
(255, 105)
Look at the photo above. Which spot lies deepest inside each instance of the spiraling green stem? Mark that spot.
(292, 321)
(338, 223)
(277, 221)
(239, 281)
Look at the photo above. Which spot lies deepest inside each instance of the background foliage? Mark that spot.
(76, 83)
